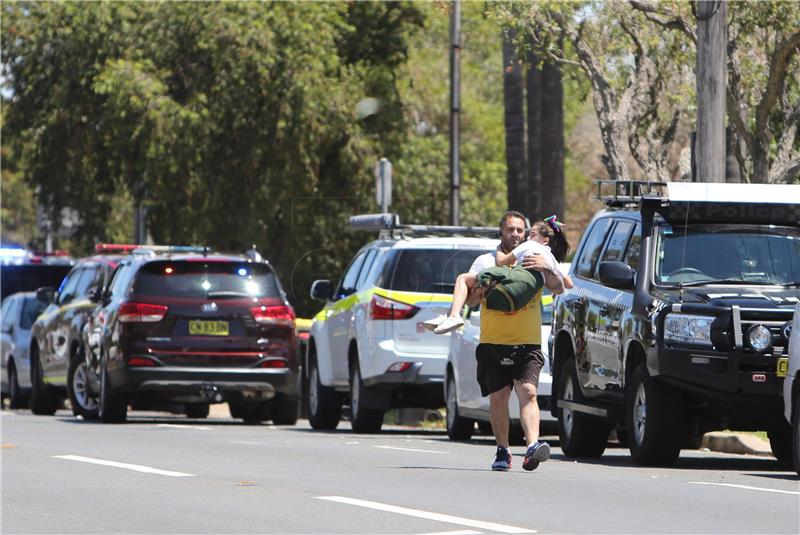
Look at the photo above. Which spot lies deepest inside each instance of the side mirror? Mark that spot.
(95, 294)
(321, 290)
(616, 275)
(46, 294)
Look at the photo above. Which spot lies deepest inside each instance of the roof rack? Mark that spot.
(388, 225)
(628, 192)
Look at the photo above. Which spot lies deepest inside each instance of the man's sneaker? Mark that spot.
(432, 323)
(449, 324)
(502, 460)
(537, 453)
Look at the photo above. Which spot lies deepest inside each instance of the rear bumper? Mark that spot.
(216, 384)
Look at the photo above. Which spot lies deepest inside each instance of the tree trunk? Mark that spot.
(515, 128)
(552, 149)
(533, 98)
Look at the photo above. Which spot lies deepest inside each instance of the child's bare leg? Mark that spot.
(464, 283)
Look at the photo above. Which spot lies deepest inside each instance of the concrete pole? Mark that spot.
(455, 109)
(712, 40)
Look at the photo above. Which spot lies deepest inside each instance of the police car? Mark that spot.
(367, 347)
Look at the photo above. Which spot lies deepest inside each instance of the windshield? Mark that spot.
(730, 254)
(206, 279)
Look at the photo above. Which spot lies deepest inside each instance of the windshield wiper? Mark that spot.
(726, 281)
(227, 294)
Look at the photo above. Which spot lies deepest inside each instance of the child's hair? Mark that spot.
(556, 238)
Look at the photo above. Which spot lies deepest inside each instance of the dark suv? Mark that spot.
(677, 324)
(193, 328)
(56, 348)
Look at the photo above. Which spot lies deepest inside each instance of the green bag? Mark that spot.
(509, 288)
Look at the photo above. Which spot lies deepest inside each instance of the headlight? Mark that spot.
(759, 337)
(688, 329)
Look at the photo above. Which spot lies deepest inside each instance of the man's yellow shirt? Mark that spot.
(513, 328)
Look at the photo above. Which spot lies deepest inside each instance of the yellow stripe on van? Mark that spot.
(409, 298)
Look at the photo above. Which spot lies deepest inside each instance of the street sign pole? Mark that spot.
(383, 184)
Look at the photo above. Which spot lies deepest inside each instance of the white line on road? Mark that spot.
(744, 487)
(491, 526)
(185, 426)
(408, 449)
(457, 532)
(134, 467)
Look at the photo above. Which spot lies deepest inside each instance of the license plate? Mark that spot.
(783, 366)
(208, 328)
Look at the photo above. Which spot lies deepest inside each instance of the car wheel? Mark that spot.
(780, 440)
(796, 434)
(43, 400)
(324, 405)
(112, 407)
(17, 400)
(285, 409)
(83, 399)
(580, 435)
(458, 427)
(196, 411)
(485, 428)
(654, 412)
(251, 413)
(362, 420)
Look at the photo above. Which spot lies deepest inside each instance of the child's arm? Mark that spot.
(504, 259)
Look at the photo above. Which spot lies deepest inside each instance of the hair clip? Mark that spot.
(553, 223)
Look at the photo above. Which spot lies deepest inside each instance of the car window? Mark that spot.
(386, 263)
(67, 290)
(348, 284)
(617, 241)
(31, 308)
(9, 312)
(121, 280)
(431, 270)
(85, 281)
(366, 268)
(634, 246)
(202, 280)
(591, 250)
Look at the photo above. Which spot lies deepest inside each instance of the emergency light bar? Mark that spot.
(391, 222)
(122, 248)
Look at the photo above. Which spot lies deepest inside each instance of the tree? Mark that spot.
(763, 95)
(514, 105)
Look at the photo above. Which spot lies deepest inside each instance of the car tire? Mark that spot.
(84, 402)
(251, 413)
(362, 420)
(285, 409)
(458, 427)
(197, 411)
(780, 440)
(485, 428)
(324, 404)
(796, 433)
(580, 435)
(654, 416)
(16, 399)
(112, 407)
(44, 402)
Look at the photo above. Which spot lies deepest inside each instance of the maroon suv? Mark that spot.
(191, 329)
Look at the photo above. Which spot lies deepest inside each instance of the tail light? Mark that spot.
(273, 315)
(382, 308)
(141, 361)
(274, 363)
(141, 313)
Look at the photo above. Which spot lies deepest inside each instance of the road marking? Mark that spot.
(185, 426)
(134, 467)
(457, 532)
(408, 449)
(438, 517)
(745, 487)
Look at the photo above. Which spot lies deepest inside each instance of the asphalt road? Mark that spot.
(166, 474)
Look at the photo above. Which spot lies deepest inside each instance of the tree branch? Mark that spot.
(778, 68)
(650, 11)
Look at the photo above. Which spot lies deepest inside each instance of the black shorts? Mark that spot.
(500, 365)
